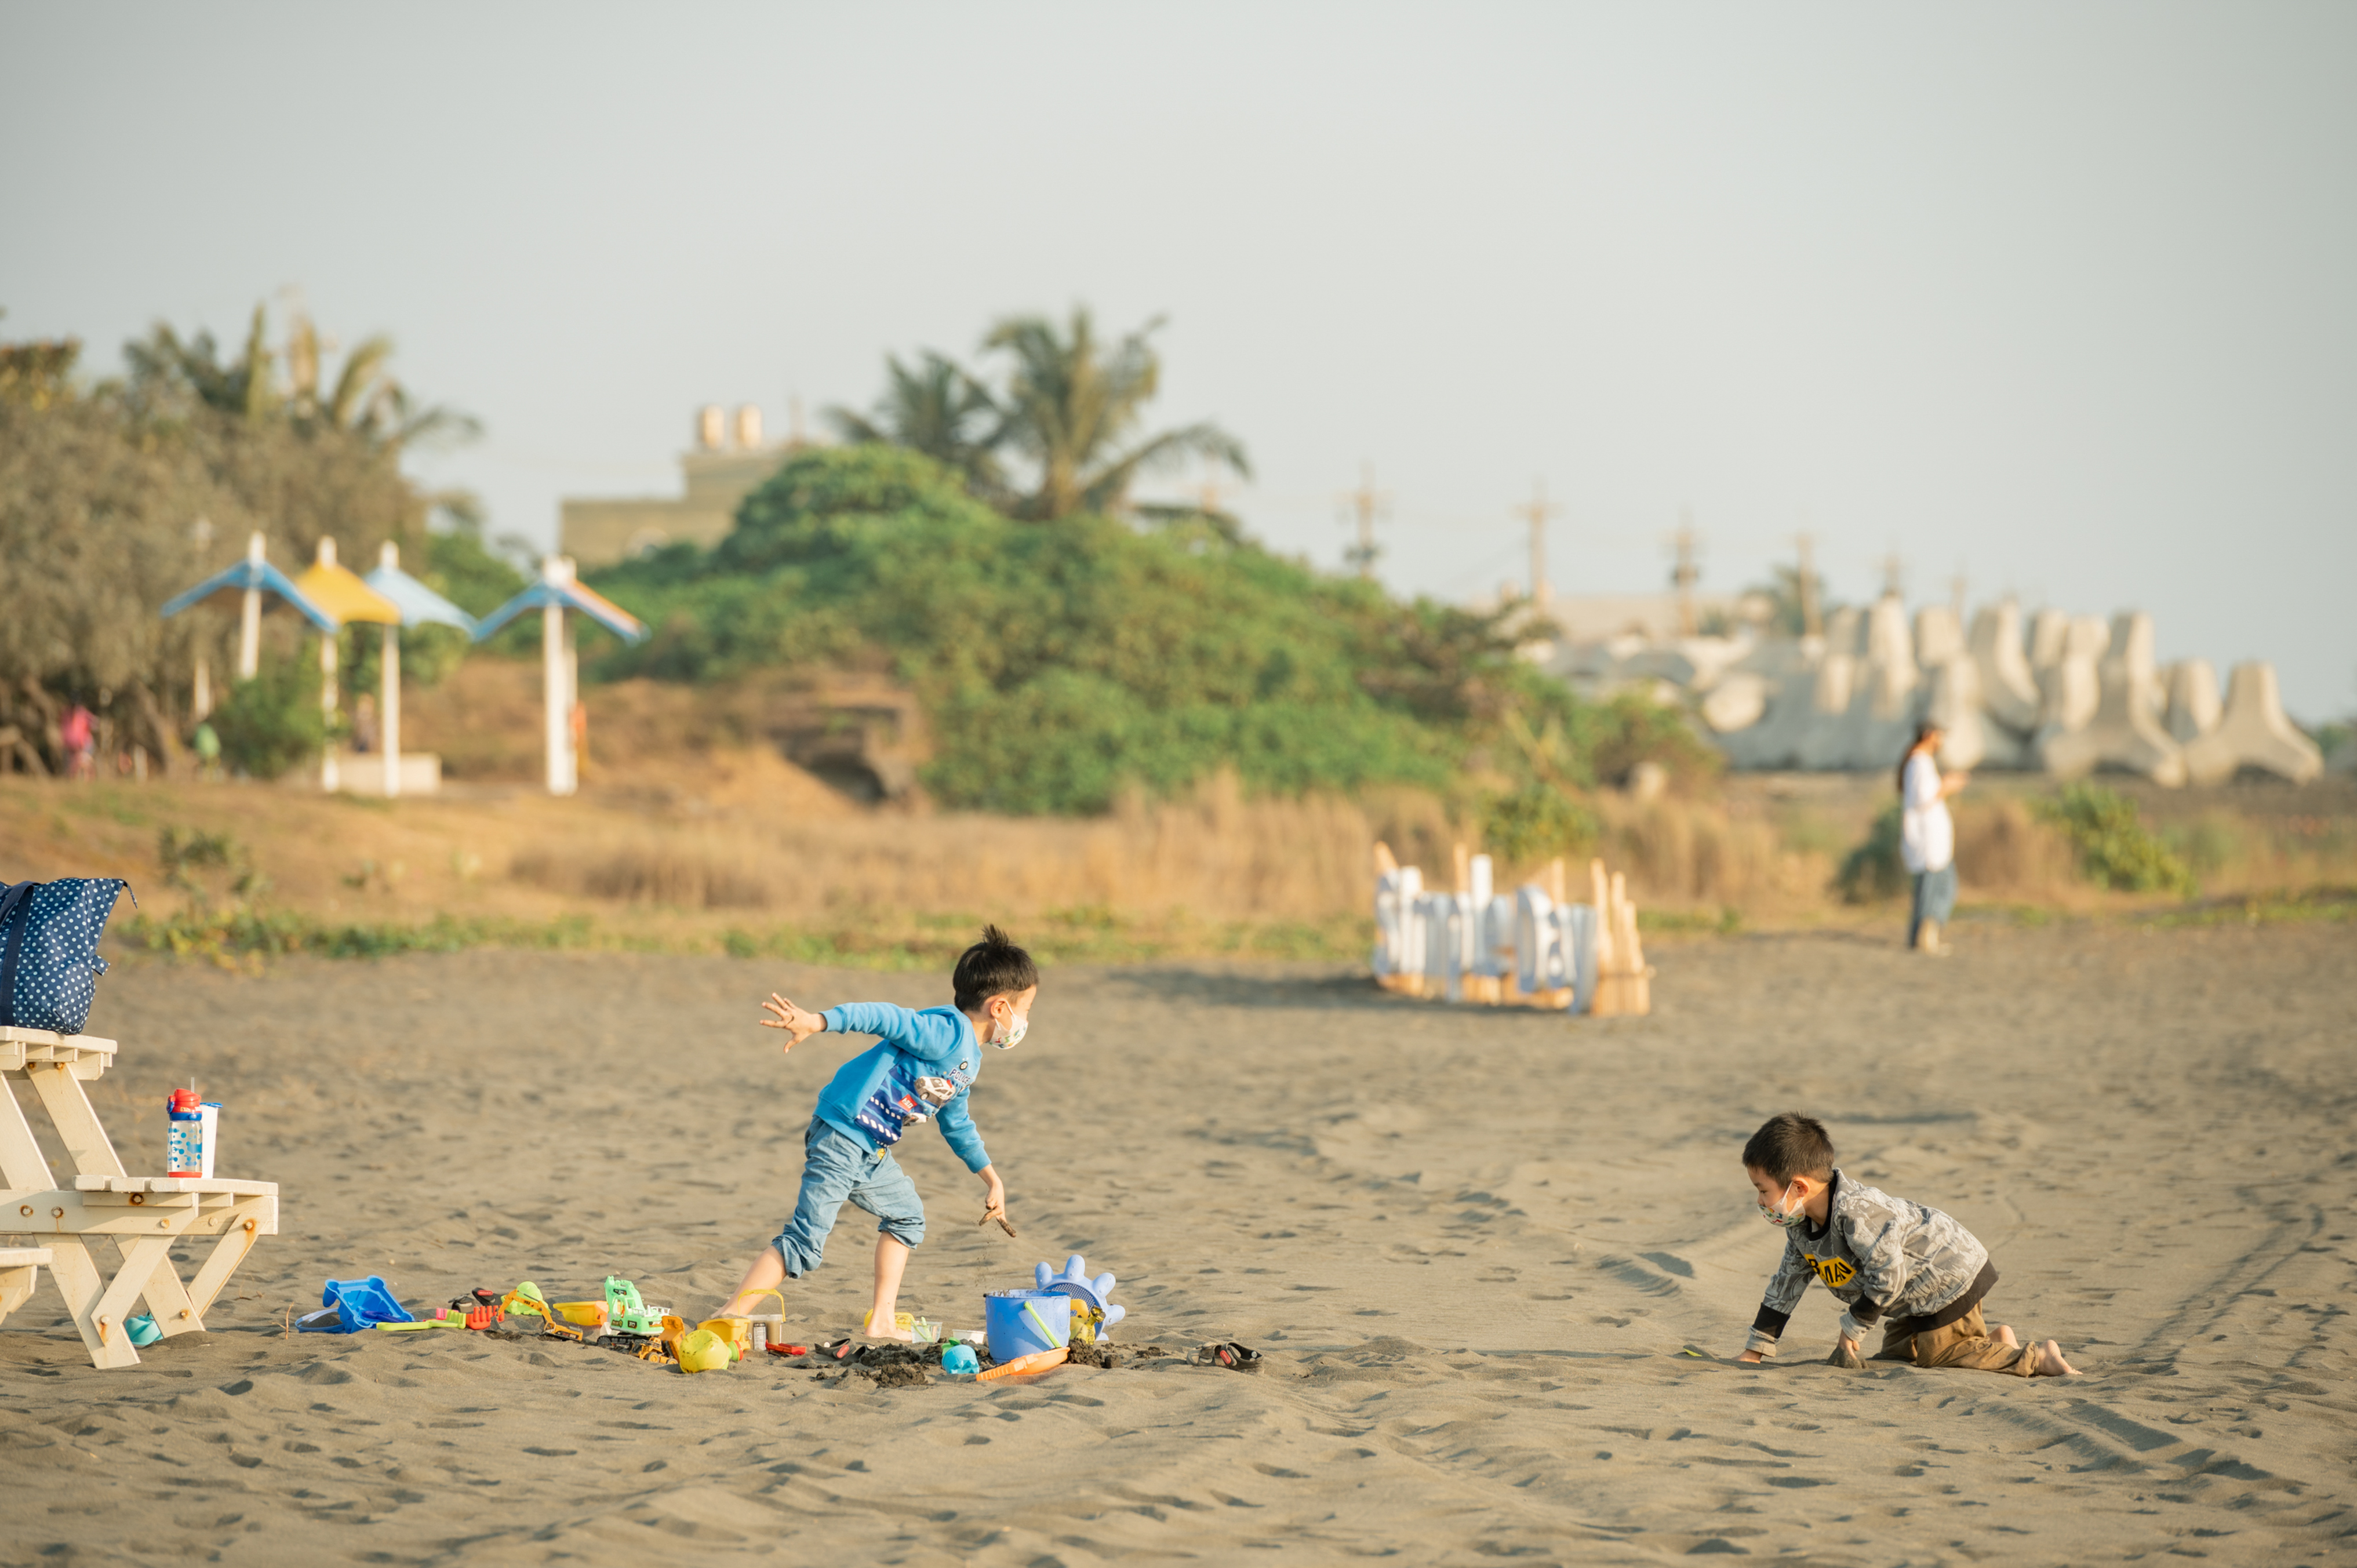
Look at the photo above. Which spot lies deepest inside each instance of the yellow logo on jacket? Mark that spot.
(1834, 1272)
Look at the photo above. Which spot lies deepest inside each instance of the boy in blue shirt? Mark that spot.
(922, 1067)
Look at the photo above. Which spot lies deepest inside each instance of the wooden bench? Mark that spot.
(139, 1218)
(20, 1270)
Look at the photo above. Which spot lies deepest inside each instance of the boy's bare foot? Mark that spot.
(2050, 1363)
(892, 1336)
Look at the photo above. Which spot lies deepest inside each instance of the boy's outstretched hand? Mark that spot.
(798, 1023)
(994, 1200)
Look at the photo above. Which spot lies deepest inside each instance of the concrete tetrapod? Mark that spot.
(2193, 706)
(1938, 636)
(2125, 732)
(1789, 714)
(2253, 733)
(2009, 684)
(2071, 688)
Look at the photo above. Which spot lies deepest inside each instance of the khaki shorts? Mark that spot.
(1966, 1342)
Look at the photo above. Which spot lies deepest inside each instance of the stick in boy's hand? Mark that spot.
(799, 1024)
(997, 1211)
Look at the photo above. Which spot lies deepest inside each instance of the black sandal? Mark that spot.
(1230, 1354)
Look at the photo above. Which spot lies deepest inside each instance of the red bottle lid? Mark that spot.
(184, 1101)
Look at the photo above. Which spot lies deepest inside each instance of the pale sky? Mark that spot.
(2060, 297)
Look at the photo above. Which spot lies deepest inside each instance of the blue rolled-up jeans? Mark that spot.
(836, 1169)
(1935, 899)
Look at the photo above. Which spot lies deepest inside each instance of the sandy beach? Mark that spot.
(1499, 1264)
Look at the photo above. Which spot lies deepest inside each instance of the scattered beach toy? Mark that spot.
(143, 1330)
(960, 1361)
(736, 1333)
(1017, 1323)
(525, 1298)
(627, 1314)
(347, 1306)
(1023, 1366)
(479, 1308)
(588, 1316)
(1075, 1281)
(702, 1350)
(1032, 1312)
(423, 1323)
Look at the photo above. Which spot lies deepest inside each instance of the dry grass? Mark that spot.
(723, 846)
(1216, 855)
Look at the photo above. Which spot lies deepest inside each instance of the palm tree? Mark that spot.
(1072, 407)
(366, 401)
(936, 409)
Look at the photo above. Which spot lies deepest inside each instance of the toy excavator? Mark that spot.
(526, 1301)
(626, 1313)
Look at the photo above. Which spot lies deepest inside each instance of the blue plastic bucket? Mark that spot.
(1024, 1322)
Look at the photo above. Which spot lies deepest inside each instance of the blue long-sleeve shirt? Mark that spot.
(873, 1097)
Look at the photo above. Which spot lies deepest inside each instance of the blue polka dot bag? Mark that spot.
(48, 951)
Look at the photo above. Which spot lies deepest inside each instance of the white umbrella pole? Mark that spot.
(559, 715)
(249, 621)
(249, 636)
(329, 778)
(389, 705)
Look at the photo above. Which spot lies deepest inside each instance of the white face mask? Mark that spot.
(1781, 1217)
(1014, 1032)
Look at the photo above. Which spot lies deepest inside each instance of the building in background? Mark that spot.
(729, 460)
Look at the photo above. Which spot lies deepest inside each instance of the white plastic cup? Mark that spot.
(210, 1136)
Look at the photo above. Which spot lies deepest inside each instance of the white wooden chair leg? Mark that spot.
(167, 1300)
(22, 1165)
(17, 1286)
(107, 1315)
(227, 1255)
(79, 1282)
(87, 1145)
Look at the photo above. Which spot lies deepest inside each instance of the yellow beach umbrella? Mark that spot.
(339, 591)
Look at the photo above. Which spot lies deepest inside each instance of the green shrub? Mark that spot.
(1874, 870)
(1536, 822)
(1059, 662)
(2115, 848)
(272, 722)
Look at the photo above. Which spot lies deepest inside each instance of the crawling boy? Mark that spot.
(1909, 1267)
(922, 1067)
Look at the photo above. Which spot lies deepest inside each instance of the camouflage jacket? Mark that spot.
(1877, 1254)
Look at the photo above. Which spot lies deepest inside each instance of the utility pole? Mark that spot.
(1684, 575)
(1813, 615)
(1956, 585)
(1894, 576)
(1536, 512)
(1367, 503)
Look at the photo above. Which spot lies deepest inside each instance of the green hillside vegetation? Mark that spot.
(1061, 661)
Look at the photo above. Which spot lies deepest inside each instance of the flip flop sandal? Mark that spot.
(1235, 1357)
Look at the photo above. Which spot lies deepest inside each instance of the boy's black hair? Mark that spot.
(1789, 1145)
(993, 966)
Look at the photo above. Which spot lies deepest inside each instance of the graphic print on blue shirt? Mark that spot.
(896, 1101)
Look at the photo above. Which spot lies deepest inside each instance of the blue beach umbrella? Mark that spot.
(251, 579)
(556, 593)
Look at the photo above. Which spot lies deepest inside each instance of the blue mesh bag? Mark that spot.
(48, 951)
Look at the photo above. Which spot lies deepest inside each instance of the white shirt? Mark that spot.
(1927, 835)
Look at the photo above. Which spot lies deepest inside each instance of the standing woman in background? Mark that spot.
(1927, 836)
